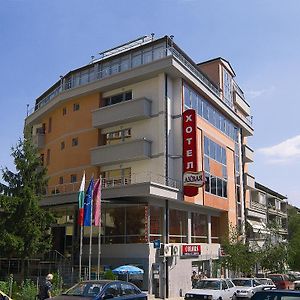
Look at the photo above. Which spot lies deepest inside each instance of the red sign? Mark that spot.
(189, 130)
(190, 250)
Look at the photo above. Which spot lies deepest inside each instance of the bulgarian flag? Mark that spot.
(81, 201)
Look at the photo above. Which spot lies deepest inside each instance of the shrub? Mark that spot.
(109, 275)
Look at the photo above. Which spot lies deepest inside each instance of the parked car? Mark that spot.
(3, 296)
(297, 285)
(282, 281)
(212, 289)
(277, 295)
(103, 289)
(246, 287)
(267, 283)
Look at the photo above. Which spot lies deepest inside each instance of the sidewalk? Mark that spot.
(152, 297)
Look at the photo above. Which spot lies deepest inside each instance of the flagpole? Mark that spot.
(80, 251)
(99, 230)
(80, 219)
(91, 235)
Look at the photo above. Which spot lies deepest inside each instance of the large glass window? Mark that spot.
(227, 87)
(214, 184)
(215, 229)
(192, 99)
(156, 222)
(117, 98)
(199, 228)
(177, 226)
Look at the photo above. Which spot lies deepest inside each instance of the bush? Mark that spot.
(28, 291)
(110, 275)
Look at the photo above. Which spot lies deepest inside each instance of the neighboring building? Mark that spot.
(266, 216)
(120, 116)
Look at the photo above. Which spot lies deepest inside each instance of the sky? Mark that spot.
(43, 39)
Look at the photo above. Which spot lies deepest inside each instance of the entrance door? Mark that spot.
(58, 239)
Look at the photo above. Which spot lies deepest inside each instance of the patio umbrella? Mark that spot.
(127, 270)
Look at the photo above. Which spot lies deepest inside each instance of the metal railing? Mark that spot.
(112, 182)
(92, 75)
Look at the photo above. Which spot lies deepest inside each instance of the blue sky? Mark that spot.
(43, 39)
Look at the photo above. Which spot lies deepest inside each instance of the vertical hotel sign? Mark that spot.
(192, 179)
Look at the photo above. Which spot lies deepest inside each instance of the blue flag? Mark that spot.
(88, 199)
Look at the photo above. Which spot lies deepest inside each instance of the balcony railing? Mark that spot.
(257, 205)
(93, 75)
(112, 182)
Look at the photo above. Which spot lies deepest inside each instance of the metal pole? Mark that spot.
(99, 230)
(91, 235)
(80, 251)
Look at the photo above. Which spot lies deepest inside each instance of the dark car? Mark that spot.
(276, 295)
(103, 289)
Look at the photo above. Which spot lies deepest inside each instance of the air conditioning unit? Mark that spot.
(165, 250)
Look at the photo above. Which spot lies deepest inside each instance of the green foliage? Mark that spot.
(27, 291)
(238, 256)
(274, 258)
(4, 287)
(25, 228)
(57, 284)
(294, 239)
(110, 275)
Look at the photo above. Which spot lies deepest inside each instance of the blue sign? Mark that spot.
(156, 244)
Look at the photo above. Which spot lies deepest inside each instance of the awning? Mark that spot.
(257, 226)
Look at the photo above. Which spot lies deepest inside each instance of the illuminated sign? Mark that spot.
(190, 167)
(190, 250)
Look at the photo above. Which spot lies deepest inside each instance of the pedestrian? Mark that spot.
(194, 279)
(45, 288)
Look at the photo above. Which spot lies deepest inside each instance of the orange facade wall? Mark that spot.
(203, 198)
(67, 124)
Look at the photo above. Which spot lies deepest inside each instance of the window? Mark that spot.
(74, 142)
(50, 124)
(127, 289)
(227, 87)
(177, 226)
(117, 98)
(60, 180)
(116, 137)
(73, 178)
(199, 228)
(207, 111)
(64, 111)
(62, 145)
(48, 157)
(136, 59)
(76, 106)
(113, 290)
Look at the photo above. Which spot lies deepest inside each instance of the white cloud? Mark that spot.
(252, 94)
(285, 151)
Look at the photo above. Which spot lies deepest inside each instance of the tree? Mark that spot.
(238, 258)
(274, 252)
(24, 225)
(294, 239)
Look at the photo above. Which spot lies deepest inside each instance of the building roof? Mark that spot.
(269, 191)
(225, 62)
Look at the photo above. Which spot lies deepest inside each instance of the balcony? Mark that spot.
(249, 181)
(248, 154)
(239, 100)
(258, 206)
(39, 140)
(123, 112)
(119, 153)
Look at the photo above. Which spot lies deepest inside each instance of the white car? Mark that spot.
(212, 289)
(267, 283)
(246, 287)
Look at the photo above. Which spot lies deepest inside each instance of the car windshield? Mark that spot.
(242, 282)
(276, 277)
(87, 289)
(208, 285)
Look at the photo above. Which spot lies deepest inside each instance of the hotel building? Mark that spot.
(121, 117)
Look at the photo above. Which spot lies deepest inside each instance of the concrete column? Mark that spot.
(189, 227)
(209, 229)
